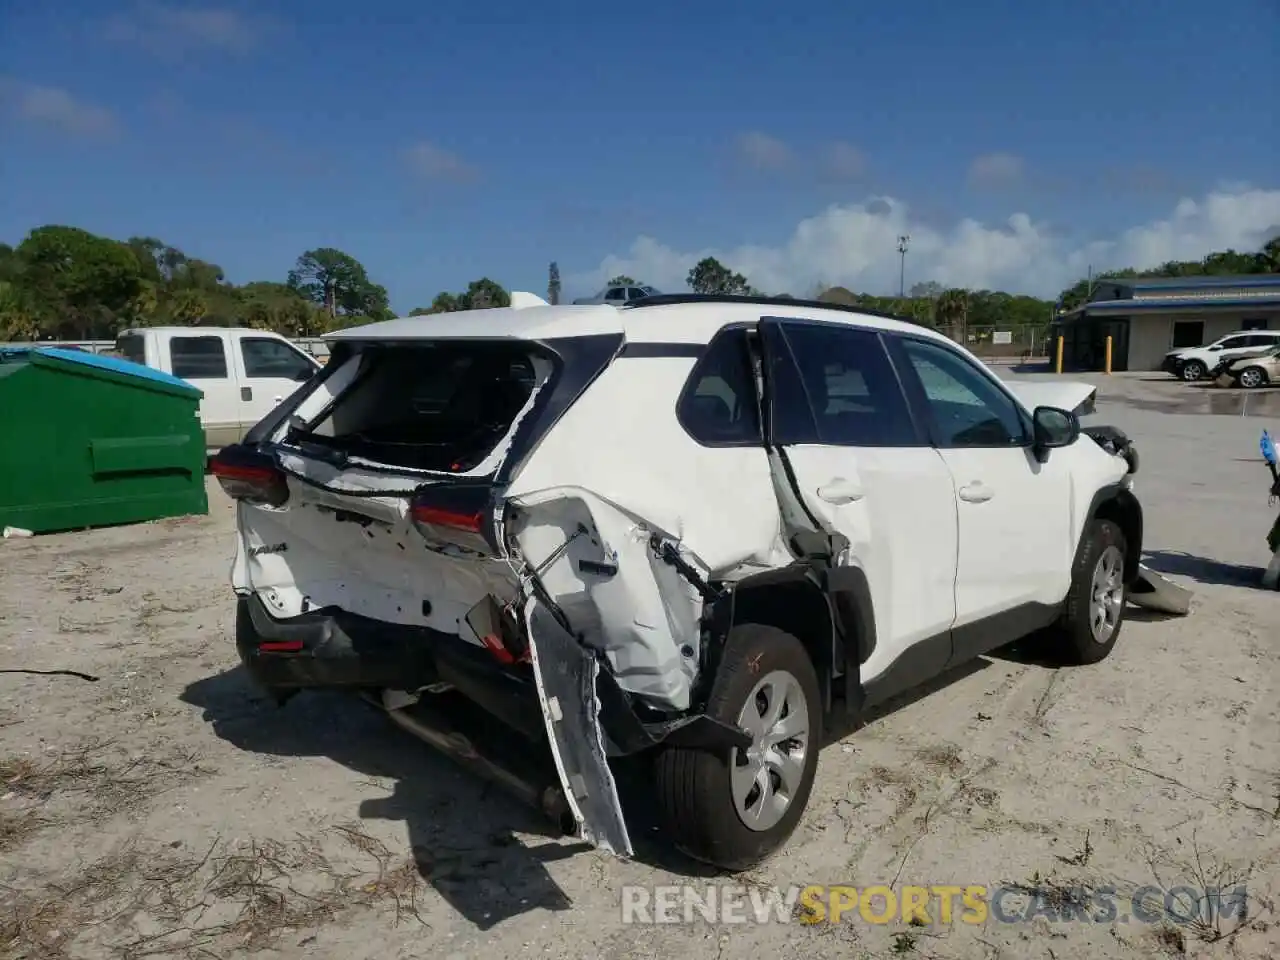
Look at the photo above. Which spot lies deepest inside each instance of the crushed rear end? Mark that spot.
(379, 550)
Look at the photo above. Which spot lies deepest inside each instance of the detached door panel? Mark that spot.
(863, 470)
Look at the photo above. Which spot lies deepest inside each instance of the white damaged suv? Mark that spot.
(700, 531)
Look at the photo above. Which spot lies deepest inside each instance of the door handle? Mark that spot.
(277, 399)
(246, 393)
(976, 492)
(839, 490)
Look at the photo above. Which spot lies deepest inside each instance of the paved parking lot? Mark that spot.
(165, 809)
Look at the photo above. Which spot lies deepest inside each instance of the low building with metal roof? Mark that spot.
(1146, 317)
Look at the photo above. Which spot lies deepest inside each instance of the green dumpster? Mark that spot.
(89, 441)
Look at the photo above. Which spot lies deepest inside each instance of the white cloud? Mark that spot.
(995, 170)
(429, 162)
(855, 246)
(763, 152)
(171, 31)
(56, 108)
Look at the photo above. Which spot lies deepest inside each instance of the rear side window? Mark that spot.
(616, 293)
(847, 391)
(198, 358)
(718, 407)
(132, 348)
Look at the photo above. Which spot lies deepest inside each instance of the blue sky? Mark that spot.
(1017, 143)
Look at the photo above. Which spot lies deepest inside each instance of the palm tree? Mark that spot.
(1269, 255)
(952, 310)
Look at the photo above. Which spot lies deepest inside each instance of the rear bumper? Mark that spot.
(333, 649)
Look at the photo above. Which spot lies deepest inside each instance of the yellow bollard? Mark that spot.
(1057, 366)
(1107, 368)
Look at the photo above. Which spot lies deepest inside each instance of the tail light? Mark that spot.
(248, 475)
(457, 515)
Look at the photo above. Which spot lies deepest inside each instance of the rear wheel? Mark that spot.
(1193, 370)
(1252, 377)
(1094, 610)
(734, 809)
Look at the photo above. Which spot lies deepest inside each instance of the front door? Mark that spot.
(269, 370)
(861, 468)
(1015, 549)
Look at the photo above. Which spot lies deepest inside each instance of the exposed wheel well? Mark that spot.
(1122, 509)
(788, 600)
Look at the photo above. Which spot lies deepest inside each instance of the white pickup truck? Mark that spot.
(243, 373)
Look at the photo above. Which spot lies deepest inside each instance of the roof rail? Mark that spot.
(666, 299)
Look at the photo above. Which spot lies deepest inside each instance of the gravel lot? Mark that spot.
(165, 809)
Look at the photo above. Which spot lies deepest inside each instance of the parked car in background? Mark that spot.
(618, 295)
(1196, 363)
(1251, 371)
(244, 373)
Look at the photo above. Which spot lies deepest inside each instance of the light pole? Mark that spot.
(903, 242)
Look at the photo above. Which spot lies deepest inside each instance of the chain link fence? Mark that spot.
(1012, 344)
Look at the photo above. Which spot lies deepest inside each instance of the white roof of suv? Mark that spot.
(676, 319)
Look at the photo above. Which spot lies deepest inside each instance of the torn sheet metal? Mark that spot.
(566, 681)
(1152, 591)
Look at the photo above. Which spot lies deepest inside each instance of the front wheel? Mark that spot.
(1094, 609)
(734, 809)
(1252, 377)
(1193, 370)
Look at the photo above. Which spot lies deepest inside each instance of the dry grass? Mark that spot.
(144, 900)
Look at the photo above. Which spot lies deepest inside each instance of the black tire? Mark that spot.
(694, 787)
(1193, 370)
(1247, 374)
(1075, 641)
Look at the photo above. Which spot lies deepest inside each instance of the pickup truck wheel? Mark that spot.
(1094, 610)
(1193, 370)
(734, 809)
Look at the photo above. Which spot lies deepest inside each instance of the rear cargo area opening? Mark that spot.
(438, 405)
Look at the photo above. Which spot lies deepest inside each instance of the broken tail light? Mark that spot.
(251, 476)
(457, 514)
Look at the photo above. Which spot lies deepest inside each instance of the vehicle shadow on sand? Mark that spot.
(462, 832)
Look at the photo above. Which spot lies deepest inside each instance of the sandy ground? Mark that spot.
(166, 809)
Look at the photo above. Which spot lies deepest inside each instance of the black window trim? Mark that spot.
(917, 396)
(919, 424)
(691, 384)
(222, 341)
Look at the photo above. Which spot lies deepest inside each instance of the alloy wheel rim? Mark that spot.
(766, 776)
(1106, 595)
(1250, 378)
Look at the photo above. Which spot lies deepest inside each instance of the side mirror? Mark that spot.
(1053, 427)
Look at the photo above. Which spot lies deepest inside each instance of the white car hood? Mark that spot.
(1074, 396)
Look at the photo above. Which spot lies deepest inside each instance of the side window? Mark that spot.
(198, 358)
(1233, 343)
(967, 408)
(718, 406)
(265, 357)
(634, 293)
(616, 293)
(849, 386)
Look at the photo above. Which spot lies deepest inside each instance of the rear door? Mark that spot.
(203, 359)
(269, 370)
(863, 469)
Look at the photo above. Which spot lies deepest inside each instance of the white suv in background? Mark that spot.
(700, 531)
(1195, 363)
